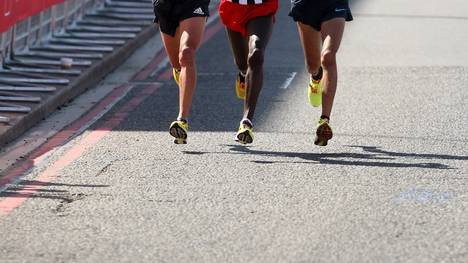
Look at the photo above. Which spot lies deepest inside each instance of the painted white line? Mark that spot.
(288, 81)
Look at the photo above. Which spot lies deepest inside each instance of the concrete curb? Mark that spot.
(85, 81)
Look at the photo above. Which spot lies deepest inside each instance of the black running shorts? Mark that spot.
(315, 12)
(169, 13)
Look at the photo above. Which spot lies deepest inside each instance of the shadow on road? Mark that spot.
(377, 150)
(372, 157)
(29, 189)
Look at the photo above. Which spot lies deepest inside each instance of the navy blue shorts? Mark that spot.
(169, 13)
(315, 12)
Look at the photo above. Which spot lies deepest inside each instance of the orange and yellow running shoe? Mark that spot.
(240, 86)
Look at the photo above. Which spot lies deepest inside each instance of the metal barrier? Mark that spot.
(43, 53)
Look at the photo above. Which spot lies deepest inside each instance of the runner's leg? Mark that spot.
(310, 40)
(191, 32)
(259, 30)
(332, 33)
(172, 44)
(240, 49)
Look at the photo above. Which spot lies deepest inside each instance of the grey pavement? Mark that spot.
(390, 187)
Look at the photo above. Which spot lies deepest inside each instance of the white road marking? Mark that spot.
(424, 196)
(288, 81)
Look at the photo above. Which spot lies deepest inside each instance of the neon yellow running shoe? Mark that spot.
(324, 133)
(315, 92)
(240, 86)
(176, 74)
(245, 133)
(179, 130)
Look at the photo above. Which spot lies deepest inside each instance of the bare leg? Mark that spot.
(259, 30)
(172, 44)
(310, 40)
(332, 33)
(240, 49)
(191, 32)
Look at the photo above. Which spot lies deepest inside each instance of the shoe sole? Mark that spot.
(244, 138)
(323, 134)
(179, 134)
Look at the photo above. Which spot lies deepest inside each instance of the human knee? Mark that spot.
(187, 56)
(328, 58)
(255, 59)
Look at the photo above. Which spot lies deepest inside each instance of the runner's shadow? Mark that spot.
(29, 189)
(371, 157)
(377, 150)
(23, 193)
(40, 183)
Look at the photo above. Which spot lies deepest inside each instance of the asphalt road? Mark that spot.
(392, 186)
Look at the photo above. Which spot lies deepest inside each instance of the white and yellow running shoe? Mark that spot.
(179, 130)
(245, 133)
(324, 133)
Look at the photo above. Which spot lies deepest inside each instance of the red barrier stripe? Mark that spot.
(13, 11)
